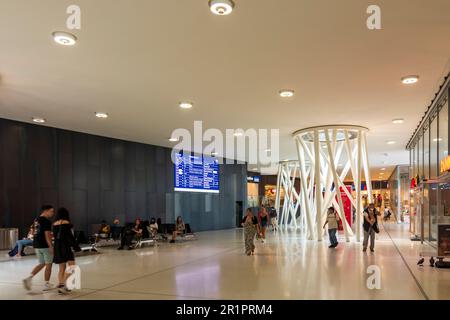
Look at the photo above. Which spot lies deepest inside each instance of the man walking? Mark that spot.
(42, 243)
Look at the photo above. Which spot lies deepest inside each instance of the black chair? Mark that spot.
(145, 233)
(80, 237)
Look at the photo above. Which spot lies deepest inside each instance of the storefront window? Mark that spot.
(420, 157)
(443, 132)
(433, 149)
(426, 154)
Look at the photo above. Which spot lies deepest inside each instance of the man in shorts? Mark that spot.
(43, 246)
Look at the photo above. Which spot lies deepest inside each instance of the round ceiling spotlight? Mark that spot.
(285, 93)
(173, 139)
(64, 38)
(186, 105)
(398, 121)
(391, 142)
(410, 79)
(101, 115)
(39, 120)
(221, 7)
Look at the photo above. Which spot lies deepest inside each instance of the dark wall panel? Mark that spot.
(99, 178)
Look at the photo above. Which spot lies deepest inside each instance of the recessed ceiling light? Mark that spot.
(238, 134)
(383, 169)
(287, 93)
(39, 120)
(398, 121)
(410, 79)
(101, 115)
(221, 7)
(64, 38)
(381, 173)
(173, 139)
(391, 142)
(186, 105)
(437, 139)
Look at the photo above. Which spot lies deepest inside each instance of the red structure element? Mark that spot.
(347, 204)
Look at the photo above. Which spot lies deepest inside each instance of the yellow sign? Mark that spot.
(445, 164)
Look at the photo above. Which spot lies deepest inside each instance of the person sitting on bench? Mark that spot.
(129, 232)
(179, 229)
(153, 228)
(387, 214)
(116, 229)
(21, 244)
(103, 232)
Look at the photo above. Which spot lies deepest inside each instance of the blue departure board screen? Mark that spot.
(194, 173)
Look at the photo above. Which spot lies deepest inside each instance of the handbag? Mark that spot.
(375, 228)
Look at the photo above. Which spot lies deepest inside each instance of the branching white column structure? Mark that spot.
(334, 153)
(287, 213)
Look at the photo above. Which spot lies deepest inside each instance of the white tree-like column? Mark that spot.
(328, 156)
(287, 214)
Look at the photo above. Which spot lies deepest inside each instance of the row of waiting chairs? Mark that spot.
(113, 238)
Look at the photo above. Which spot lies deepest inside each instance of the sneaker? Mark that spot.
(365, 249)
(172, 241)
(330, 246)
(372, 250)
(120, 248)
(48, 286)
(27, 283)
(63, 290)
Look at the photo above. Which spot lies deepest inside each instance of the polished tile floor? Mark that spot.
(214, 267)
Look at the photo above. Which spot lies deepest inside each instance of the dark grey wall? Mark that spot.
(102, 178)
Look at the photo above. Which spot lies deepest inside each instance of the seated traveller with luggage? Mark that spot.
(18, 250)
(104, 231)
(130, 232)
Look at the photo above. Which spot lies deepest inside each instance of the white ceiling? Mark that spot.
(136, 59)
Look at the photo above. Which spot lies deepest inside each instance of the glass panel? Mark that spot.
(414, 166)
(420, 157)
(444, 209)
(433, 149)
(443, 132)
(433, 212)
(427, 198)
(426, 154)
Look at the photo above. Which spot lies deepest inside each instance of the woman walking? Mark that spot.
(333, 223)
(64, 242)
(370, 226)
(264, 219)
(250, 224)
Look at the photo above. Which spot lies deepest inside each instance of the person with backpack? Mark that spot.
(370, 226)
(64, 243)
(43, 246)
(333, 223)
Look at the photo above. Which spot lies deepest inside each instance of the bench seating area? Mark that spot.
(91, 245)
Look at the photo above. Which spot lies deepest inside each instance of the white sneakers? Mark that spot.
(48, 286)
(63, 290)
(27, 283)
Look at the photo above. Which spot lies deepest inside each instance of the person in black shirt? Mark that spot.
(42, 243)
(64, 242)
(129, 232)
(250, 224)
